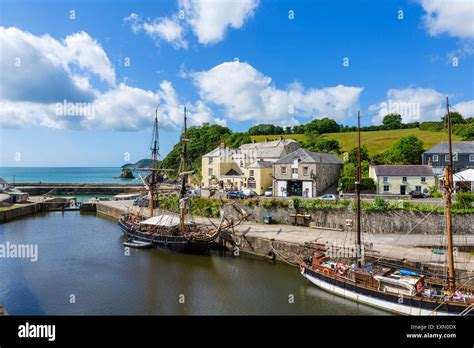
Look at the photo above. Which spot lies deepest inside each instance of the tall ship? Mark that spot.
(390, 286)
(175, 230)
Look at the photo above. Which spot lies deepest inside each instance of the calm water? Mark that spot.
(83, 255)
(63, 174)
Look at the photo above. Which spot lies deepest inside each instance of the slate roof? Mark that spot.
(403, 170)
(307, 156)
(261, 164)
(264, 144)
(458, 146)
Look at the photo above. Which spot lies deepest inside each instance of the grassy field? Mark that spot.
(376, 141)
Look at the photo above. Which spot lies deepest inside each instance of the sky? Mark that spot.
(80, 81)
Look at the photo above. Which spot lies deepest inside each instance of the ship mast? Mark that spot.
(154, 156)
(184, 176)
(448, 186)
(357, 188)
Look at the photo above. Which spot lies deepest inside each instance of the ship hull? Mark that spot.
(406, 305)
(180, 244)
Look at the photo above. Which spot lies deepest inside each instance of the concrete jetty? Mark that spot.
(288, 241)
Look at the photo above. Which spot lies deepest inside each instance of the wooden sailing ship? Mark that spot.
(388, 287)
(178, 232)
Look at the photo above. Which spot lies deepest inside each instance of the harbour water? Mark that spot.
(63, 175)
(82, 268)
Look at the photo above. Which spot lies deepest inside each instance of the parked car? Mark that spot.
(194, 193)
(249, 193)
(417, 194)
(328, 197)
(141, 201)
(235, 194)
(268, 193)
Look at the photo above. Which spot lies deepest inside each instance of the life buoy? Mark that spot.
(325, 271)
(419, 287)
(341, 268)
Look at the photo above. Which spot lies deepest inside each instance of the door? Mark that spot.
(281, 189)
(403, 190)
(307, 189)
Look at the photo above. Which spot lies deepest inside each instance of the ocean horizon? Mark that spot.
(63, 175)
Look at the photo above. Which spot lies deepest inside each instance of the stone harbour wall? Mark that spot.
(372, 222)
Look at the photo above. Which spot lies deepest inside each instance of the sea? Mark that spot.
(64, 175)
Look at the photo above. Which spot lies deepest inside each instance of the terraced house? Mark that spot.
(437, 156)
(305, 173)
(246, 167)
(402, 179)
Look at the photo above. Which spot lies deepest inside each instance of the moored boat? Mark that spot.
(401, 291)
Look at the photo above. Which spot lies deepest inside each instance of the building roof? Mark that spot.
(3, 181)
(458, 146)
(403, 170)
(261, 164)
(266, 144)
(465, 175)
(306, 156)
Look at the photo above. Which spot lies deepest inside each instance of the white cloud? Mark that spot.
(166, 29)
(246, 94)
(413, 104)
(465, 108)
(54, 76)
(169, 30)
(210, 19)
(454, 17)
(417, 105)
(43, 69)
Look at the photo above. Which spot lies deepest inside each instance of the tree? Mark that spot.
(407, 150)
(456, 118)
(468, 132)
(266, 129)
(364, 154)
(319, 143)
(392, 121)
(325, 125)
(202, 139)
(236, 139)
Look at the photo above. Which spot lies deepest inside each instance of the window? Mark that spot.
(294, 170)
(252, 184)
(385, 179)
(210, 160)
(252, 173)
(283, 170)
(423, 179)
(435, 158)
(404, 179)
(210, 172)
(418, 188)
(241, 163)
(471, 158)
(305, 170)
(386, 188)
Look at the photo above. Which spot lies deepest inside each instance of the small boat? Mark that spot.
(132, 243)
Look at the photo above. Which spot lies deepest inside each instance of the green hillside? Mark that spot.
(376, 141)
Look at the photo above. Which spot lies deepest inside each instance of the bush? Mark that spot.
(347, 184)
(432, 126)
(464, 200)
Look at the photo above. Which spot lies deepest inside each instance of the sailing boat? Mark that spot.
(177, 232)
(402, 291)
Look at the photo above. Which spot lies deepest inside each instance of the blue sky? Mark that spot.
(236, 63)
